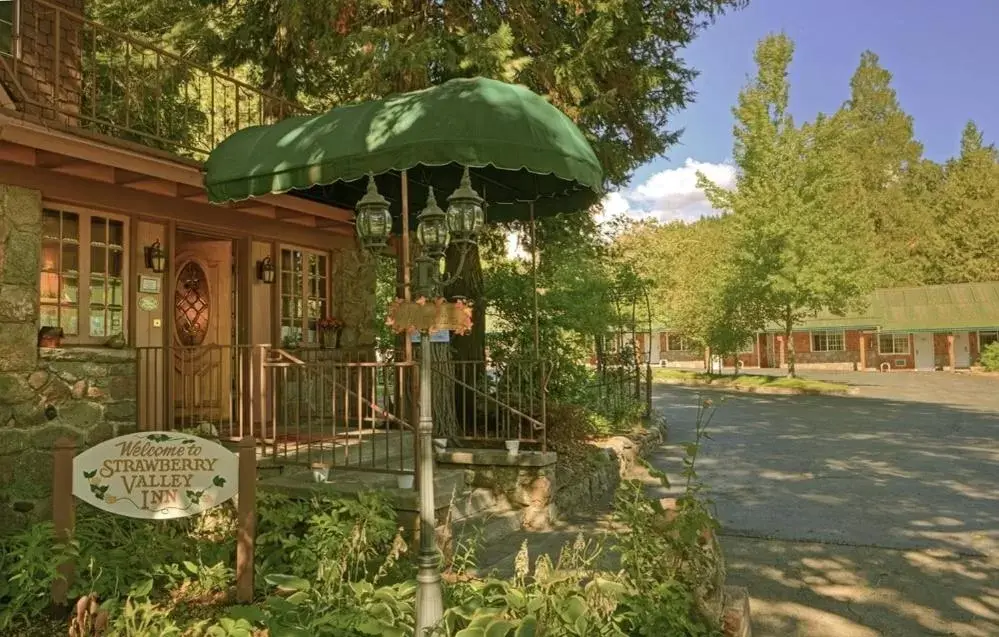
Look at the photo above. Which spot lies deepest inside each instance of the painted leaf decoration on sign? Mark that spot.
(218, 481)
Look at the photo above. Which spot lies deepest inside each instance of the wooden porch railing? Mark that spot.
(83, 74)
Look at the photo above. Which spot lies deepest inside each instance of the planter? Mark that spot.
(329, 339)
(512, 447)
(405, 480)
(320, 472)
(440, 444)
(49, 337)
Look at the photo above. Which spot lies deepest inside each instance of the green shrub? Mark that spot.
(990, 357)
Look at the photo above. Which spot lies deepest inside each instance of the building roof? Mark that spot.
(924, 308)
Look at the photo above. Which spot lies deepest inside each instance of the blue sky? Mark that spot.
(942, 55)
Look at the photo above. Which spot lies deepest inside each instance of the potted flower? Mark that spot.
(330, 329)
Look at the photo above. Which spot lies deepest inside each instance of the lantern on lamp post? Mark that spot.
(465, 215)
(373, 220)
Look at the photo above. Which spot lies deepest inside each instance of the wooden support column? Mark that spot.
(951, 355)
(63, 514)
(246, 518)
(863, 351)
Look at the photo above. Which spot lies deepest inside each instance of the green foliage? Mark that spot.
(28, 563)
(341, 548)
(668, 564)
(990, 357)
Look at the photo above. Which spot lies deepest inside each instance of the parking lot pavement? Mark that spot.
(874, 514)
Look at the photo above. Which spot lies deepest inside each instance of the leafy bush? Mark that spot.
(145, 571)
(990, 357)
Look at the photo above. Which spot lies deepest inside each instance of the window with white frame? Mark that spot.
(986, 338)
(893, 343)
(828, 342)
(82, 278)
(749, 347)
(304, 294)
(676, 343)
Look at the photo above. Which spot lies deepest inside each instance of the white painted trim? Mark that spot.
(908, 343)
(811, 343)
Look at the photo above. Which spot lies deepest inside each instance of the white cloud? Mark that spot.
(671, 194)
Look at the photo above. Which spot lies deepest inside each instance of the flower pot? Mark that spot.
(440, 445)
(320, 472)
(512, 447)
(405, 480)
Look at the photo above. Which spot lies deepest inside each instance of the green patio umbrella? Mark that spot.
(526, 156)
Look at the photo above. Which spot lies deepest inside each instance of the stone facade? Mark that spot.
(353, 303)
(87, 394)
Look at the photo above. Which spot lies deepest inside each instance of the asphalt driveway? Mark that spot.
(874, 514)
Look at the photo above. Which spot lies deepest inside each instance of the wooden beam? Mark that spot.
(48, 159)
(61, 143)
(88, 170)
(77, 190)
(18, 154)
(157, 186)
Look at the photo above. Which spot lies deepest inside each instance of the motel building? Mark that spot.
(927, 328)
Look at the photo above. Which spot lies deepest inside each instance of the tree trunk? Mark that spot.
(442, 392)
(471, 347)
(789, 346)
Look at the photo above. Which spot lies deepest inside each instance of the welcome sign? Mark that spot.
(156, 475)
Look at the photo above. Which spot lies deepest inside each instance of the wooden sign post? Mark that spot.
(157, 475)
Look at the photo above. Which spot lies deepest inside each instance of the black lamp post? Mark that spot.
(461, 223)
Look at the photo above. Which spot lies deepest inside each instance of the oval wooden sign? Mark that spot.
(156, 475)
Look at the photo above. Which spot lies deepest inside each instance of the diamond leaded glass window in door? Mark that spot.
(192, 305)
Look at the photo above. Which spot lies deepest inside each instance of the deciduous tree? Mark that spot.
(796, 248)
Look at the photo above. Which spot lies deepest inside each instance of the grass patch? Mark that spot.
(750, 382)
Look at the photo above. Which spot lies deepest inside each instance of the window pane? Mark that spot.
(286, 260)
(98, 231)
(98, 260)
(50, 224)
(116, 262)
(49, 287)
(117, 321)
(50, 256)
(116, 233)
(69, 322)
(116, 292)
(70, 257)
(49, 316)
(70, 293)
(97, 324)
(70, 226)
(97, 297)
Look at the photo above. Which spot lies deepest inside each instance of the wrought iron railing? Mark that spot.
(219, 389)
(90, 76)
(344, 415)
(499, 400)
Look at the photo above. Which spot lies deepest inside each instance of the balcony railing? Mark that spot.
(81, 73)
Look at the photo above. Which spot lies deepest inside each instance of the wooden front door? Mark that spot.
(203, 328)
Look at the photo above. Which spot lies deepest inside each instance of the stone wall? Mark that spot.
(353, 276)
(87, 394)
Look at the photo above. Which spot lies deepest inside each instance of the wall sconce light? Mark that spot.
(155, 258)
(265, 270)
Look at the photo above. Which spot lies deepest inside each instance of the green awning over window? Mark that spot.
(521, 148)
